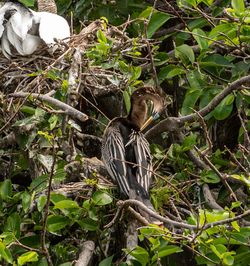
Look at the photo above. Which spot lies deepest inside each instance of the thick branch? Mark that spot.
(126, 203)
(173, 123)
(86, 254)
(69, 110)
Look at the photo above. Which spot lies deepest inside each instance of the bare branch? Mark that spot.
(69, 110)
(86, 254)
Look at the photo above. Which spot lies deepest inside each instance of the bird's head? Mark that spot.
(144, 94)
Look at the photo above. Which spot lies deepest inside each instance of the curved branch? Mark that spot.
(69, 110)
(174, 123)
(126, 203)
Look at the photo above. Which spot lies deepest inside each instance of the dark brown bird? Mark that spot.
(125, 151)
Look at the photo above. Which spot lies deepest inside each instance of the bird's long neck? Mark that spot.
(47, 5)
(137, 114)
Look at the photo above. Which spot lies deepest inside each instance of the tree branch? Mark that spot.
(173, 123)
(69, 110)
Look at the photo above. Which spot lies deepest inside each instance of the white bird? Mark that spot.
(22, 30)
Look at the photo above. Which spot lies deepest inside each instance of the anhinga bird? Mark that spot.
(23, 30)
(125, 151)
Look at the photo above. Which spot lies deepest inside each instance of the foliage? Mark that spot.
(198, 49)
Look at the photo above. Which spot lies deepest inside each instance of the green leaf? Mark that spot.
(218, 249)
(190, 100)
(189, 142)
(5, 189)
(101, 198)
(136, 73)
(55, 197)
(126, 98)
(5, 253)
(88, 224)
(107, 261)
(29, 256)
(228, 259)
(169, 72)
(224, 108)
(215, 60)
(27, 109)
(66, 204)
(166, 251)
(57, 222)
(13, 224)
(210, 176)
(156, 21)
(41, 202)
(28, 3)
(53, 121)
(141, 255)
(199, 37)
(185, 53)
(40, 183)
(26, 201)
(101, 37)
(238, 5)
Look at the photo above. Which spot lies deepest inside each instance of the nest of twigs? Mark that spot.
(37, 78)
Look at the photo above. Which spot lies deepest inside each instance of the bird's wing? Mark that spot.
(5, 46)
(52, 27)
(143, 159)
(15, 22)
(113, 155)
(30, 44)
(21, 22)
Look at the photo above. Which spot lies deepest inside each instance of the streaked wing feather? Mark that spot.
(113, 154)
(143, 157)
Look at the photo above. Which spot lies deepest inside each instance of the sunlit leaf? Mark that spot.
(5, 253)
(66, 204)
(101, 198)
(29, 256)
(238, 5)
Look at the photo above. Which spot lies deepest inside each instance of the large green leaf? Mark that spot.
(88, 224)
(57, 222)
(107, 261)
(185, 53)
(166, 251)
(66, 204)
(5, 189)
(29, 256)
(5, 253)
(156, 21)
(141, 255)
(238, 5)
(13, 224)
(215, 60)
(101, 198)
(190, 100)
(169, 72)
(224, 109)
(200, 37)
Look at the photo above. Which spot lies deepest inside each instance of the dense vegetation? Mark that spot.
(55, 195)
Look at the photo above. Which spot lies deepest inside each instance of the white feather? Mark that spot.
(52, 27)
(24, 29)
(30, 44)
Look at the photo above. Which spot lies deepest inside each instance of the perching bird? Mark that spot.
(23, 30)
(125, 151)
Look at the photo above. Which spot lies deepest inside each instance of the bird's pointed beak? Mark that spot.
(152, 118)
(148, 122)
